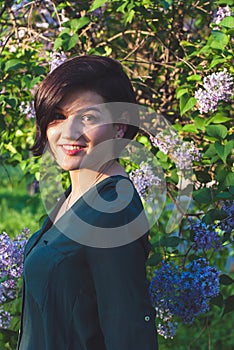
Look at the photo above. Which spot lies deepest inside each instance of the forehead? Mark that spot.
(79, 99)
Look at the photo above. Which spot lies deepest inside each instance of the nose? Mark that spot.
(72, 128)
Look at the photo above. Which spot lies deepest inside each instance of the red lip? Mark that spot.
(73, 152)
(67, 149)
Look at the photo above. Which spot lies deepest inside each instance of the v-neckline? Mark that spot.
(53, 225)
(68, 191)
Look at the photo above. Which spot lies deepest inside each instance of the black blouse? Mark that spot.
(84, 297)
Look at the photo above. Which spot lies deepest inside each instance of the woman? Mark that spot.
(85, 285)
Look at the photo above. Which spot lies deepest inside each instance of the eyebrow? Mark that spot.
(81, 111)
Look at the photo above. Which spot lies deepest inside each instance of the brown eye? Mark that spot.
(88, 118)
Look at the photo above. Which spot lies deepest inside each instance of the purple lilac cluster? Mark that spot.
(221, 13)
(182, 292)
(182, 152)
(167, 329)
(11, 263)
(56, 59)
(143, 178)
(27, 109)
(227, 224)
(205, 236)
(5, 318)
(218, 87)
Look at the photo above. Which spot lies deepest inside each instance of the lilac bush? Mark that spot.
(11, 268)
(143, 178)
(56, 58)
(166, 66)
(206, 236)
(27, 109)
(221, 13)
(183, 153)
(5, 318)
(217, 87)
(183, 292)
(227, 224)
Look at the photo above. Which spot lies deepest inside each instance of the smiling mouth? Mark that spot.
(72, 150)
(72, 147)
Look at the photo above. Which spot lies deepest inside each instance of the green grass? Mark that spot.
(18, 208)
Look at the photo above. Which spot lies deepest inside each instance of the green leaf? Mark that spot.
(203, 176)
(78, 23)
(96, 4)
(217, 131)
(219, 118)
(189, 128)
(13, 64)
(224, 195)
(224, 150)
(19, 133)
(220, 151)
(229, 180)
(199, 123)
(218, 300)
(162, 156)
(210, 152)
(170, 241)
(72, 41)
(203, 195)
(213, 215)
(144, 140)
(221, 172)
(225, 2)
(187, 103)
(186, 43)
(194, 77)
(58, 43)
(217, 60)
(229, 304)
(218, 40)
(226, 280)
(12, 101)
(227, 22)
(11, 148)
(122, 7)
(181, 91)
(130, 16)
(155, 259)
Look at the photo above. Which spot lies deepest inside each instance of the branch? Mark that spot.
(124, 33)
(190, 65)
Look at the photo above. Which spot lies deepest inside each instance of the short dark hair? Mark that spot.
(100, 74)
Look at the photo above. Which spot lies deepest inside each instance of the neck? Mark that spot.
(83, 179)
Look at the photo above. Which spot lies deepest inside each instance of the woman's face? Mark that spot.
(81, 122)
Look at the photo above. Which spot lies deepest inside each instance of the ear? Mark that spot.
(122, 125)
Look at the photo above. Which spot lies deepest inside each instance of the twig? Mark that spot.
(57, 15)
(135, 49)
(177, 57)
(202, 331)
(5, 42)
(124, 33)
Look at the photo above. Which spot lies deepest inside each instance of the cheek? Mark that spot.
(104, 132)
(51, 134)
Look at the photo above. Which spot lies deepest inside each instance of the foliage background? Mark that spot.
(166, 47)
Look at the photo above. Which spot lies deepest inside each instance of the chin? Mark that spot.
(69, 167)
